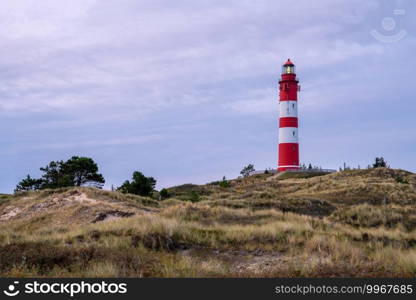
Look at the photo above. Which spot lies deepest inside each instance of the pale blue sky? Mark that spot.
(186, 91)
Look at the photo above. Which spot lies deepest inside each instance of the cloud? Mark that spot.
(87, 73)
(259, 102)
(97, 143)
(254, 106)
(150, 56)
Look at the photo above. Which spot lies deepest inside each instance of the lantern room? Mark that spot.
(288, 68)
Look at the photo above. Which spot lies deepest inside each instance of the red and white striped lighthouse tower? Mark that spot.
(288, 119)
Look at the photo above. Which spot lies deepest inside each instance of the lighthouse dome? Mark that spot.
(289, 63)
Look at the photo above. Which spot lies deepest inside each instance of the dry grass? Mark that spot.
(259, 227)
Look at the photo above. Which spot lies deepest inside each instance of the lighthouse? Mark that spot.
(288, 119)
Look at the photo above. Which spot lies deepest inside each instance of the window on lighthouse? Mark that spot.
(288, 69)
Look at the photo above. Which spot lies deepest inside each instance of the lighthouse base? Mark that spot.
(288, 157)
(287, 168)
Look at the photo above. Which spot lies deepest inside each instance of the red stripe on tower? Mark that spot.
(288, 122)
(288, 119)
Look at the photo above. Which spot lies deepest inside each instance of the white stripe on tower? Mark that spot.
(288, 109)
(288, 135)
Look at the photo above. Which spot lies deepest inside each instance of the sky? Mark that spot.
(186, 91)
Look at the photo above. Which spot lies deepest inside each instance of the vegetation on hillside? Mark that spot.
(247, 170)
(76, 171)
(139, 185)
(351, 223)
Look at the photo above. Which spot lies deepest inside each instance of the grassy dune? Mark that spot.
(352, 223)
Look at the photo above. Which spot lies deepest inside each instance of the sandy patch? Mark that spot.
(11, 212)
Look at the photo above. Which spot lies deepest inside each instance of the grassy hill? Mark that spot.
(350, 223)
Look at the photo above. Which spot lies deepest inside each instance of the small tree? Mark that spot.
(247, 170)
(28, 184)
(81, 170)
(76, 171)
(379, 163)
(53, 177)
(140, 185)
(164, 194)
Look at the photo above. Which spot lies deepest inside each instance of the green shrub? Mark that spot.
(224, 183)
(164, 194)
(194, 196)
